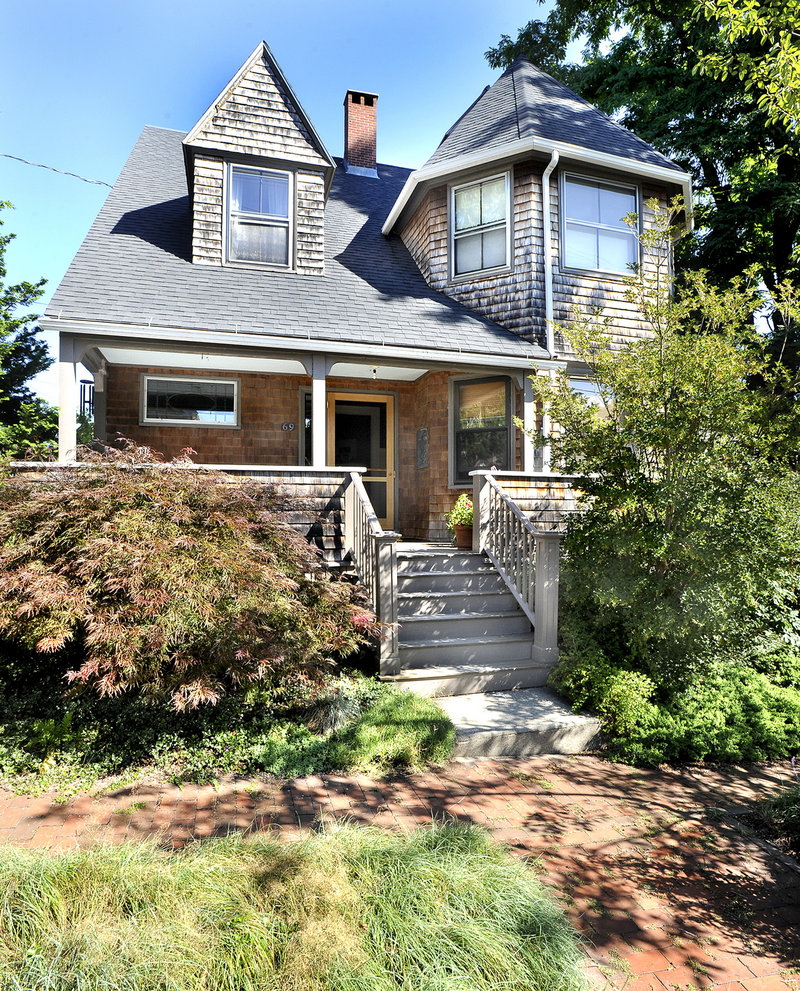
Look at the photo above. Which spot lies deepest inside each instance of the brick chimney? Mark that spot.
(360, 125)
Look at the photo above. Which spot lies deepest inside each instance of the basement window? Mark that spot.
(195, 402)
(259, 216)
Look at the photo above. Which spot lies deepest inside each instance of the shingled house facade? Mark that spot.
(244, 294)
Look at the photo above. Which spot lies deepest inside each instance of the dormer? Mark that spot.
(258, 175)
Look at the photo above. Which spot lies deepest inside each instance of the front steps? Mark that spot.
(461, 631)
(518, 724)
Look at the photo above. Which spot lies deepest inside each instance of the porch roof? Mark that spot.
(134, 268)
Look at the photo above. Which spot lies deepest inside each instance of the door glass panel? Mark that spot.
(377, 496)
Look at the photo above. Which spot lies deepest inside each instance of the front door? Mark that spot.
(361, 434)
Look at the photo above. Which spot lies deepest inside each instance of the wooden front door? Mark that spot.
(361, 434)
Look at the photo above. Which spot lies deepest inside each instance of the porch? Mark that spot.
(416, 423)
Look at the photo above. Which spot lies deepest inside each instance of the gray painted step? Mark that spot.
(518, 724)
(426, 603)
(446, 627)
(483, 579)
(468, 679)
(414, 562)
(466, 650)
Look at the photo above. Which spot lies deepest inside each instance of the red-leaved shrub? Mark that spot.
(166, 579)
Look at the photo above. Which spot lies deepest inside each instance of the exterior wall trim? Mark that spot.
(95, 334)
(537, 146)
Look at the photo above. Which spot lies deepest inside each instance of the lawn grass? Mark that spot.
(440, 909)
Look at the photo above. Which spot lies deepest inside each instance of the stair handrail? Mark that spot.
(526, 557)
(372, 551)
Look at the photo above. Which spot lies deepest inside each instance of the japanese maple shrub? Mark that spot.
(168, 580)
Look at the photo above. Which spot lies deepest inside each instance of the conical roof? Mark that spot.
(526, 103)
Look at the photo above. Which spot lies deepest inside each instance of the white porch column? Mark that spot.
(529, 424)
(319, 412)
(67, 399)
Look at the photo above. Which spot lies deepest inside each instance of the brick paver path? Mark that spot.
(649, 865)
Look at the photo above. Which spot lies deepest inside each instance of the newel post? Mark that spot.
(349, 496)
(545, 637)
(386, 599)
(480, 509)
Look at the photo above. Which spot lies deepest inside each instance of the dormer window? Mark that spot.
(479, 226)
(260, 216)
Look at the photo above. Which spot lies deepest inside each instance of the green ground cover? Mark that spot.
(50, 741)
(359, 910)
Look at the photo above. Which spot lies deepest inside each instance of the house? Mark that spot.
(247, 295)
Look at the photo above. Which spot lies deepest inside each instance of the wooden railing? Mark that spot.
(525, 556)
(372, 550)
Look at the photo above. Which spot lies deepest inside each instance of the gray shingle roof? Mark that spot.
(526, 103)
(134, 267)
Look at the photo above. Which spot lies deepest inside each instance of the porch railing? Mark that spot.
(372, 550)
(525, 556)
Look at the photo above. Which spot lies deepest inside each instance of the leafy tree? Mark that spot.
(166, 580)
(772, 70)
(690, 545)
(28, 425)
(640, 65)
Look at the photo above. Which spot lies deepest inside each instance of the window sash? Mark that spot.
(190, 401)
(259, 216)
(594, 239)
(482, 433)
(479, 225)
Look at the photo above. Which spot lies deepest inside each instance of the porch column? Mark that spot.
(529, 425)
(67, 399)
(319, 413)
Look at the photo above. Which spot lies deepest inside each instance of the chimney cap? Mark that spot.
(360, 92)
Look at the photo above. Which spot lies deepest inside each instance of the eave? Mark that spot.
(535, 146)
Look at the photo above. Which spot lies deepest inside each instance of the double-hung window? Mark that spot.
(479, 226)
(259, 216)
(596, 236)
(482, 424)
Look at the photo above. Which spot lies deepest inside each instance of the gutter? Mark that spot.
(540, 146)
(550, 335)
(101, 332)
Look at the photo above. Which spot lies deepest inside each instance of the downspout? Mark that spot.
(550, 339)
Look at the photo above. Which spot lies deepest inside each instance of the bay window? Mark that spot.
(479, 226)
(596, 236)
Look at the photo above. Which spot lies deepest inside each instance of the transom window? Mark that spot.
(595, 233)
(259, 216)
(480, 225)
(482, 422)
(201, 402)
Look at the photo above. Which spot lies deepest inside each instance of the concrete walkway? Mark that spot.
(649, 865)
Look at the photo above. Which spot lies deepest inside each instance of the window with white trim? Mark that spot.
(197, 402)
(482, 426)
(596, 236)
(479, 226)
(259, 216)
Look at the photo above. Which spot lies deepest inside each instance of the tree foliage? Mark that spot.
(681, 621)
(690, 546)
(28, 425)
(771, 68)
(167, 580)
(640, 65)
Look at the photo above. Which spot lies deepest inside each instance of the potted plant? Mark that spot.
(459, 520)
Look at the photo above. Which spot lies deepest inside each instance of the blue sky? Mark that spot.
(79, 80)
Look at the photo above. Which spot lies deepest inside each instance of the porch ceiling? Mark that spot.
(216, 362)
